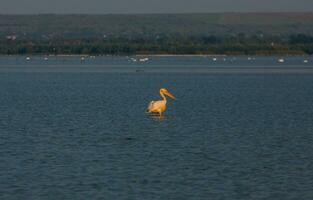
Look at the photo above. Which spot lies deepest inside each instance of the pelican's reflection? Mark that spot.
(157, 117)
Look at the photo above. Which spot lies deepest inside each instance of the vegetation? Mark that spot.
(224, 33)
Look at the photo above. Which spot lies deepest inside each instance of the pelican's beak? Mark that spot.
(170, 95)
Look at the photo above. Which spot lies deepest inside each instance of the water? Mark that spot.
(74, 135)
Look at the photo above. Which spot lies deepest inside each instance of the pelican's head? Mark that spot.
(165, 92)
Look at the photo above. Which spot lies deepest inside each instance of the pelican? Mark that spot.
(160, 106)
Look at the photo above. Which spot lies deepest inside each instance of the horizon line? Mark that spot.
(167, 13)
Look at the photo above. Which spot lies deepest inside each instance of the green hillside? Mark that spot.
(215, 33)
(149, 25)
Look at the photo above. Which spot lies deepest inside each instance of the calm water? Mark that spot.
(74, 135)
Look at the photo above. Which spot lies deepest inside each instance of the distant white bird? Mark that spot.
(281, 60)
(160, 106)
(143, 59)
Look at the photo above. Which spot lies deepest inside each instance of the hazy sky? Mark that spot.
(149, 6)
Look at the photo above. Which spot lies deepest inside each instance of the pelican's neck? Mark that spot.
(163, 96)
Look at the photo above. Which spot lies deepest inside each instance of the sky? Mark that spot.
(150, 6)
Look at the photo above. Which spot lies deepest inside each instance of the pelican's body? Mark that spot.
(160, 106)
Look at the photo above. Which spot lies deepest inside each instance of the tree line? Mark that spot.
(239, 44)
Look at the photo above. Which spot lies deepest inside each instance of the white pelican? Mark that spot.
(160, 106)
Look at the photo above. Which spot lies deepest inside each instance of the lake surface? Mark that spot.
(73, 129)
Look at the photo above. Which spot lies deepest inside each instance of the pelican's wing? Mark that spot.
(156, 106)
(150, 106)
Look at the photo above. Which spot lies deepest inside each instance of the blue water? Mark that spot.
(86, 135)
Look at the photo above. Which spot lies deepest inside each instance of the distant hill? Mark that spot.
(50, 26)
(215, 33)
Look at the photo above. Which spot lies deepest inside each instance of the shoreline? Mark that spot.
(156, 55)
